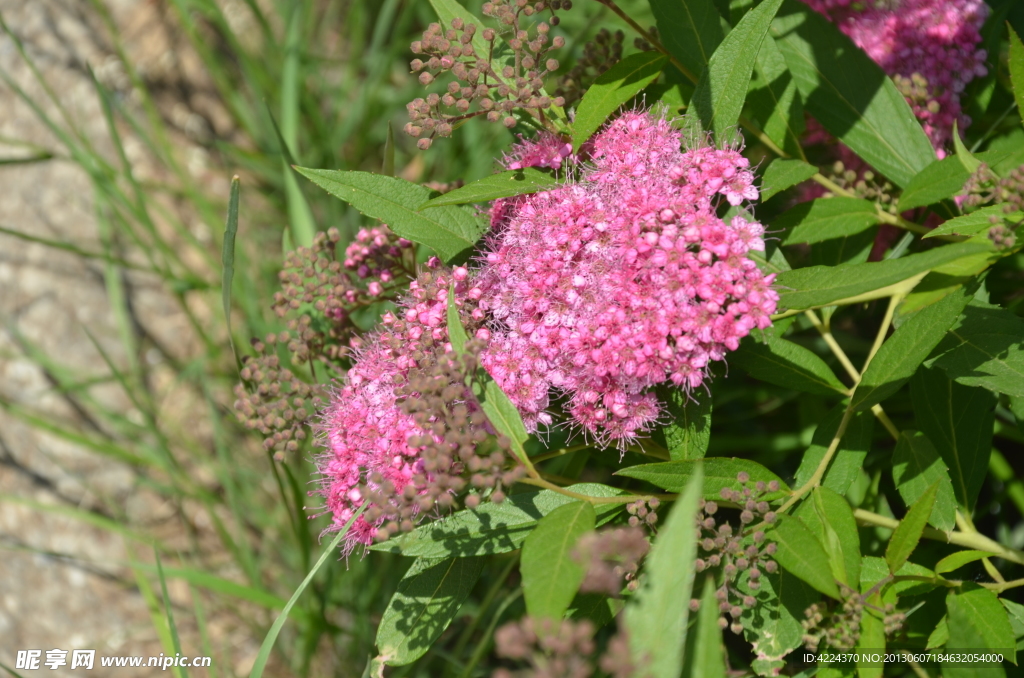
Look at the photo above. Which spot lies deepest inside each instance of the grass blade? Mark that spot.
(172, 627)
(227, 257)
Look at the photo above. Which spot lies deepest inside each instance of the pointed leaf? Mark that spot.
(551, 576)
(428, 598)
(984, 349)
(718, 473)
(773, 626)
(958, 421)
(1016, 63)
(870, 642)
(614, 87)
(851, 95)
(782, 174)
(904, 539)
(722, 88)
(690, 30)
(783, 362)
(801, 554)
(456, 331)
(829, 517)
(903, 352)
(973, 223)
(448, 230)
(848, 459)
(940, 180)
(657, 619)
(826, 218)
(501, 185)
(705, 654)
(978, 621)
(817, 286)
(916, 465)
(773, 100)
(957, 560)
(688, 432)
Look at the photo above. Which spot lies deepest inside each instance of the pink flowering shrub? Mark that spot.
(623, 280)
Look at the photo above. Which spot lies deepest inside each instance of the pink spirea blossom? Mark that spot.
(936, 39)
(625, 279)
(365, 431)
(546, 150)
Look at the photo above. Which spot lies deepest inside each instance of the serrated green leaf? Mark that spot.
(984, 349)
(870, 641)
(826, 218)
(903, 352)
(787, 364)
(688, 431)
(908, 533)
(614, 87)
(448, 230)
(849, 457)
(773, 626)
(551, 576)
(492, 528)
(1016, 612)
(817, 286)
(973, 223)
(428, 598)
(782, 174)
(977, 621)
(718, 473)
(916, 465)
(705, 656)
(940, 180)
(829, 517)
(955, 561)
(958, 421)
(874, 569)
(722, 87)
(801, 554)
(690, 30)
(850, 95)
(501, 185)
(657, 619)
(504, 416)
(773, 100)
(1016, 63)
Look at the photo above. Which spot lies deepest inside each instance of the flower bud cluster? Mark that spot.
(643, 512)
(985, 187)
(627, 278)
(736, 550)
(863, 183)
(839, 625)
(561, 649)
(929, 47)
(599, 54)
(494, 72)
(404, 430)
(611, 556)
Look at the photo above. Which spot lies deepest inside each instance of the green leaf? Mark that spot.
(874, 570)
(502, 414)
(722, 87)
(970, 163)
(1016, 63)
(848, 459)
(817, 286)
(773, 100)
(916, 465)
(428, 598)
(826, 218)
(984, 349)
(492, 528)
(690, 30)
(904, 539)
(388, 166)
(718, 473)
(940, 180)
(550, 575)
(1016, 611)
(801, 554)
(227, 257)
(973, 223)
(705, 655)
(870, 641)
(958, 421)
(688, 432)
(456, 332)
(978, 621)
(614, 87)
(787, 364)
(657, 618)
(450, 9)
(903, 352)
(597, 607)
(773, 626)
(850, 95)
(829, 517)
(782, 174)
(955, 561)
(501, 185)
(448, 230)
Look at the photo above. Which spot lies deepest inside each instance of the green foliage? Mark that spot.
(782, 174)
(827, 218)
(802, 554)
(916, 466)
(906, 536)
(501, 185)
(617, 86)
(717, 473)
(687, 433)
(550, 574)
(788, 364)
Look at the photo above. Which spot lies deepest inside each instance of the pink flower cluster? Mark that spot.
(368, 436)
(546, 150)
(628, 278)
(930, 47)
(373, 254)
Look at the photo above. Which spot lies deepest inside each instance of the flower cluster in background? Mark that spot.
(627, 278)
(929, 47)
(561, 649)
